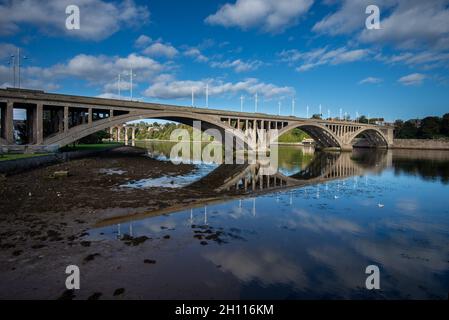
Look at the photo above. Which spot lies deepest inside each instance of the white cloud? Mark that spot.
(414, 24)
(196, 54)
(322, 56)
(99, 19)
(237, 65)
(143, 40)
(269, 15)
(424, 59)
(168, 88)
(372, 80)
(159, 49)
(412, 79)
(6, 80)
(350, 17)
(404, 24)
(95, 70)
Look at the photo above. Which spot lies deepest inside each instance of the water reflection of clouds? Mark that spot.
(407, 205)
(319, 223)
(263, 265)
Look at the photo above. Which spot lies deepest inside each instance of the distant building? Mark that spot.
(308, 141)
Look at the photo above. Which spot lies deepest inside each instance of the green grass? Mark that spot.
(293, 136)
(98, 146)
(15, 156)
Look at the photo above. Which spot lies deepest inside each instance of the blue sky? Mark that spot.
(318, 52)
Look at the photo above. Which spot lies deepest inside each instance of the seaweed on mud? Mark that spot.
(133, 241)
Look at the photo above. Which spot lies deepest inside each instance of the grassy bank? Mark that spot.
(97, 146)
(14, 156)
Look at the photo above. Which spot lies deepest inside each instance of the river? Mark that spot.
(307, 232)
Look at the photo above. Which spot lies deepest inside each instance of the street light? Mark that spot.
(255, 102)
(119, 84)
(131, 75)
(241, 103)
(207, 95)
(12, 63)
(15, 61)
(293, 106)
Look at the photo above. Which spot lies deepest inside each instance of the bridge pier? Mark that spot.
(118, 134)
(8, 124)
(346, 148)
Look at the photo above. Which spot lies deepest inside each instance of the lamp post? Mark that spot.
(131, 75)
(207, 95)
(255, 102)
(293, 106)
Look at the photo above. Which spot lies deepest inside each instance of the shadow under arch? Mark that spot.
(324, 138)
(372, 138)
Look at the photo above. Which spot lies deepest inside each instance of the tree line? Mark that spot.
(427, 128)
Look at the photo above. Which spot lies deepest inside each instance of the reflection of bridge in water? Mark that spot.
(248, 180)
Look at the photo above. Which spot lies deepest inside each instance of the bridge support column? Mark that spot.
(126, 135)
(118, 133)
(66, 118)
(346, 148)
(9, 123)
(111, 134)
(133, 134)
(38, 130)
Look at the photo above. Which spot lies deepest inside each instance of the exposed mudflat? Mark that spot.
(44, 219)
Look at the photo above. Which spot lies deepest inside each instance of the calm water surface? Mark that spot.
(313, 238)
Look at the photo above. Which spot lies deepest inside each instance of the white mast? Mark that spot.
(131, 82)
(293, 106)
(119, 85)
(207, 95)
(255, 102)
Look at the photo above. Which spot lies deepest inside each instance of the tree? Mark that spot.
(363, 119)
(409, 130)
(444, 126)
(316, 116)
(430, 128)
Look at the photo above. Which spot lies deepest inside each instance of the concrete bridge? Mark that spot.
(55, 120)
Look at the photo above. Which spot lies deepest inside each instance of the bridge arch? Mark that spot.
(323, 137)
(187, 118)
(373, 136)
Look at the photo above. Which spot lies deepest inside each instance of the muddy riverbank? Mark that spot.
(44, 219)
